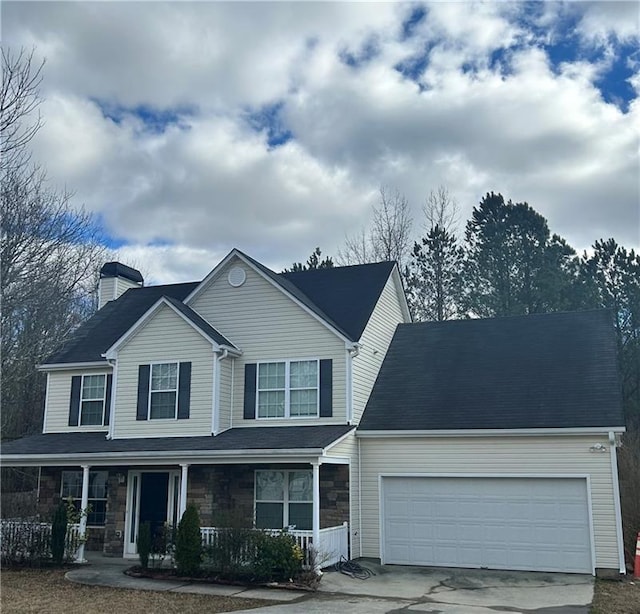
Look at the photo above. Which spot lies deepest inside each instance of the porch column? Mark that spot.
(316, 510)
(183, 489)
(83, 513)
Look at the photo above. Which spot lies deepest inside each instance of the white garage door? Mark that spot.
(499, 523)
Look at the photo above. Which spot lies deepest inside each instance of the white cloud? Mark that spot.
(210, 181)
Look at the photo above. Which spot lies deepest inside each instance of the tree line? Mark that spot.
(506, 262)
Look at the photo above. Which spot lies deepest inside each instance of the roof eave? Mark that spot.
(390, 433)
(159, 456)
(59, 366)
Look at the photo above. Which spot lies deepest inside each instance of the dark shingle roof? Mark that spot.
(343, 296)
(252, 438)
(347, 294)
(538, 371)
(108, 324)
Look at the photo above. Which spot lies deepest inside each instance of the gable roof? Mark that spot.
(555, 370)
(345, 294)
(108, 324)
(342, 297)
(193, 319)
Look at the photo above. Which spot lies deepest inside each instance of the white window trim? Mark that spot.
(285, 500)
(82, 400)
(287, 389)
(97, 526)
(177, 388)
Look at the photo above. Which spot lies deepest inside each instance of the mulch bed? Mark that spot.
(309, 584)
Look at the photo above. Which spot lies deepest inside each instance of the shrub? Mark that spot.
(24, 543)
(278, 557)
(232, 553)
(144, 544)
(188, 553)
(59, 534)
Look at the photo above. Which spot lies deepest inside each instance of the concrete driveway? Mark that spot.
(396, 589)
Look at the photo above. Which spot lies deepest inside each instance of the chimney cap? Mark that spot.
(117, 269)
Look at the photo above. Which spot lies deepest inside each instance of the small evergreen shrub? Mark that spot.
(188, 552)
(58, 534)
(278, 557)
(144, 544)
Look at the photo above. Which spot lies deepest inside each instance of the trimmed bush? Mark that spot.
(278, 557)
(59, 534)
(144, 544)
(248, 554)
(188, 553)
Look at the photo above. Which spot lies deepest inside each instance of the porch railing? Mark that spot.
(334, 543)
(25, 539)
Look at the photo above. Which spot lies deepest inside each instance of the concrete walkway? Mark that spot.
(108, 571)
(391, 590)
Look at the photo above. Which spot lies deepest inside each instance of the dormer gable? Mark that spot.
(193, 319)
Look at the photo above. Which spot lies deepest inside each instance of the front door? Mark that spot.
(152, 496)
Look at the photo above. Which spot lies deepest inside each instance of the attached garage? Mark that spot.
(493, 443)
(521, 523)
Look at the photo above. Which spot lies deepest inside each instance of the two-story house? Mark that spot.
(308, 400)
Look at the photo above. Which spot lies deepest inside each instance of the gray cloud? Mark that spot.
(184, 193)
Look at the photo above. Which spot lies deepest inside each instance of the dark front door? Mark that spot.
(154, 492)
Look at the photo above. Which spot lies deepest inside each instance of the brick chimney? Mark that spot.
(115, 279)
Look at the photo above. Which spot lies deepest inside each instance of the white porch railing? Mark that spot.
(19, 537)
(334, 542)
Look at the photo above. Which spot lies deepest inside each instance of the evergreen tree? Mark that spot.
(513, 265)
(314, 261)
(434, 281)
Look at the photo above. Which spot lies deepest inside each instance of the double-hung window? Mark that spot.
(163, 392)
(92, 399)
(283, 499)
(72, 487)
(287, 389)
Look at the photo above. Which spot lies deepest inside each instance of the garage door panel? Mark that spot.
(503, 523)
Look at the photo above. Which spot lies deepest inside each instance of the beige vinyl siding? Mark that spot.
(376, 337)
(107, 290)
(348, 448)
(165, 337)
(268, 326)
(550, 455)
(56, 418)
(227, 368)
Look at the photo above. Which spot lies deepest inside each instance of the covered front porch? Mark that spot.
(309, 500)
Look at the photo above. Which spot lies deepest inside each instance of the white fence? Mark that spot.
(334, 543)
(23, 539)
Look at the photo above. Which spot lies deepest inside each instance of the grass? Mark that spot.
(616, 597)
(30, 591)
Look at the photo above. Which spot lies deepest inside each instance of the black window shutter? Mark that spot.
(143, 392)
(326, 388)
(184, 390)
(74, 404)
(107, 400)
(250, 391)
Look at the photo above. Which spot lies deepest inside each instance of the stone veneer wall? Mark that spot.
(224, 493)
(49, 498)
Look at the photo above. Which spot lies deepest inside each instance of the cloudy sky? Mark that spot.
(190, 128)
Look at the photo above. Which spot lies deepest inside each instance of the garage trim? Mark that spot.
(582, 476)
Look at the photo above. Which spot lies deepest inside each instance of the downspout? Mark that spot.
(215, 423)
(352, 352)
(112, 408)
(616, 501)
(359, 496)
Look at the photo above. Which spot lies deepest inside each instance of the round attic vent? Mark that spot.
(236, 276)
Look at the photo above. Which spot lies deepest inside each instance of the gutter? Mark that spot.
(616, 500)
(387, 433)
(159, 456)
